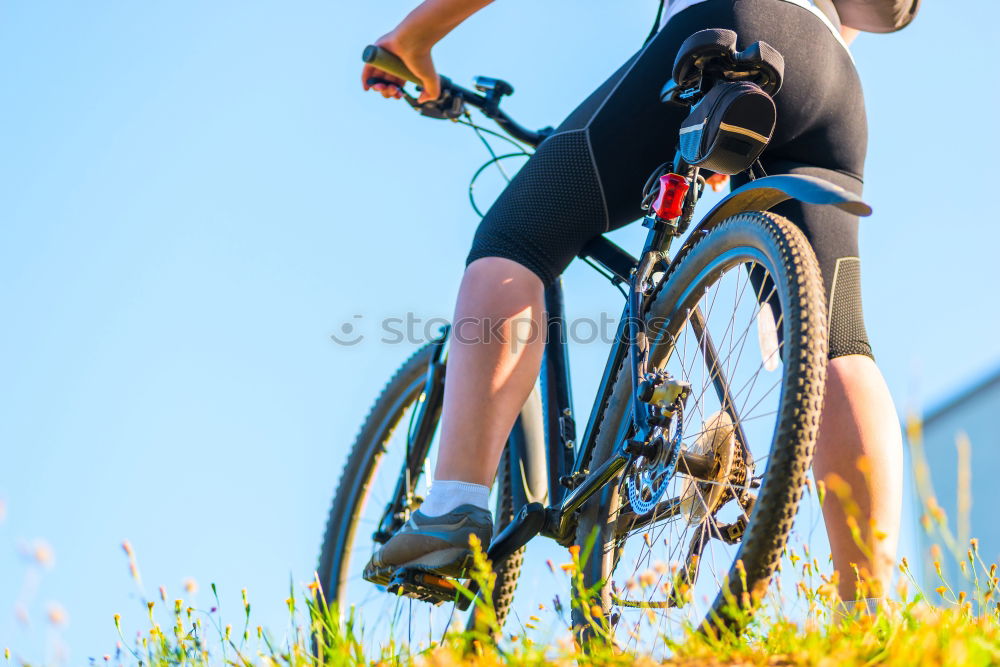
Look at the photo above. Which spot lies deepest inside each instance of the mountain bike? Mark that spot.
(682, 488)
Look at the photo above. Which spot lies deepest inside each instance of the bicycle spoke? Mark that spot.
(723, 364)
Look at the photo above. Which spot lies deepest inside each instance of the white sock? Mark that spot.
(445, 495)
(863, 607)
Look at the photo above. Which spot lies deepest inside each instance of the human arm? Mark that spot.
(412, 41)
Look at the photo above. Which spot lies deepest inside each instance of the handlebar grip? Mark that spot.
(388, 62)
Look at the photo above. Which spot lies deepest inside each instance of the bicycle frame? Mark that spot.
(550, 480)
(568, 483)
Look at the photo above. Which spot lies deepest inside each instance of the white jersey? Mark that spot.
(675, 6)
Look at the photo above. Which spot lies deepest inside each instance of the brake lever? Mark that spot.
(385, 82)
(448, 106)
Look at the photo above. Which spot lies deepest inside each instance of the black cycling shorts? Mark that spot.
(587, 178)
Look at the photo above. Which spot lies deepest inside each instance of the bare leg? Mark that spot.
(494, 358)
(859, 420)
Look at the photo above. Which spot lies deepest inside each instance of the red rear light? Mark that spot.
(669, 202)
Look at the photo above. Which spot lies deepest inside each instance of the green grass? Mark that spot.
(962, 627)
(964, 631)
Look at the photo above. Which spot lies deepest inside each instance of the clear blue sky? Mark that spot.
(194, 196)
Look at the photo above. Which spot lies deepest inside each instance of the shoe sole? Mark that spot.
(445, 563)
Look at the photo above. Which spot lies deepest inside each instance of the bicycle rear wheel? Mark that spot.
(375, 472)
(741, 316)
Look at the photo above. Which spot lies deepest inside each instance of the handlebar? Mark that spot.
(454, 97)
(388, 62)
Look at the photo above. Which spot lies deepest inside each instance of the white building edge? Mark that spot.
(970, 508)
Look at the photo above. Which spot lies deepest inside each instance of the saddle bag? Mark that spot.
(728, 128)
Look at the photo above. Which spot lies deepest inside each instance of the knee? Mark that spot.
(849, 366)
(500, 273)
(852, 371)
(500, 286)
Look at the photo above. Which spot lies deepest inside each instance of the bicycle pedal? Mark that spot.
(423, 586)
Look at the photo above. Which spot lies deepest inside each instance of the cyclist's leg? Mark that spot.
(494, 357)
(822, 131)
(859, 423)
(859, 418)
(582, 181)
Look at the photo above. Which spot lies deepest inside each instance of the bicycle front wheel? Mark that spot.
(741, 316)
(389, 462)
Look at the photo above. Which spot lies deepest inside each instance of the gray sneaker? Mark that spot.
(436, 544)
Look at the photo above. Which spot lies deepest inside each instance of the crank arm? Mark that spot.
(518, 532)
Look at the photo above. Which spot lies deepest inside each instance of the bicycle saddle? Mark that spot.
(713, 52)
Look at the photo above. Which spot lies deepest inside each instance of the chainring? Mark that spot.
(647, 478)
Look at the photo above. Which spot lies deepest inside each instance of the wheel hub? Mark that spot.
(700, 497)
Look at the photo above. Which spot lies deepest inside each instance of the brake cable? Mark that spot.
(494, 158)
